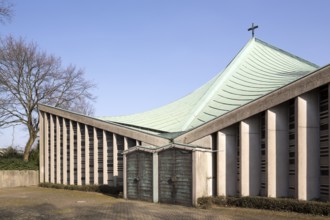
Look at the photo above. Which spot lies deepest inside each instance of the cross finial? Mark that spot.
(252, 29)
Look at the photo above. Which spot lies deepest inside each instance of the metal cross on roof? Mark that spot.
(252, 29)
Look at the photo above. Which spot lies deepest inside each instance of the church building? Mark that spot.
(258, 128)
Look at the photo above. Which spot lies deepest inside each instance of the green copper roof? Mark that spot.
(258, 69)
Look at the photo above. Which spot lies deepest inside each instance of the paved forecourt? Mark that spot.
(43, 203)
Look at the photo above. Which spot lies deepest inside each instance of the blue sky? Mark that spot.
(143, 54)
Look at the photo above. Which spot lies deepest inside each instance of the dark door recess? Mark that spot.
(139, 176)
(175, 176)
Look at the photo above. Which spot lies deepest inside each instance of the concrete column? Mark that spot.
(115, 160)
(206, 142)
(137, 143)
(277, 144)
(41, 148)
(194, 178)
(201, 175)
(105, 158)
(250, 156)
(125, 143)
(329, 133)
(58, 151)
(308, 147)
(78, 154)
(125, 176)
(52, 152)
(155, 177)
(96, 162)
(46, 149)
(226, 166)
(71, 139)
(87, 177)
(65, 149)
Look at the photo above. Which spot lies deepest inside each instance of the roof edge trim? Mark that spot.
(112, 127)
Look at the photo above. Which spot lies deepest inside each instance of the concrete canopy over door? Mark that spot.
(139, 176)
(175, 176)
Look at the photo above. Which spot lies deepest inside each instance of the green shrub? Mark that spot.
(105, 189)
(12, 153)
(12, 159)
(276, 204)
(34, 156)
(204, 202)
(17, 164)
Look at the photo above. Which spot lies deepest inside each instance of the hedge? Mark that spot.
(17, 164)
(276, 204)
(105, 189)
(12, 159)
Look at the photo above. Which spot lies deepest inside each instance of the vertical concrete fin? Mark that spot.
(79, 154)
(96, 163)
(125, 143)
(250, 156)
(58, 150)
(308, 146)
(155, 177)
(87, 177)
(227, 169)
(71, 139)
(125, 176)
(105, 158)
(115, 156)
(52, 152)
(41, 148)
(65, 152)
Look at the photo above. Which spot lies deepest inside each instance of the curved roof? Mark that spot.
(257, 69)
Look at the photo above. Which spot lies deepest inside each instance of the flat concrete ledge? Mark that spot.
(14, 178)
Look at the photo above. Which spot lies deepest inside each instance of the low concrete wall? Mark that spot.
(13, 178)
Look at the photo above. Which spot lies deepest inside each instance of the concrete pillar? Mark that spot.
(78, 154)
(206, 142)
(329, 136)
(46, 149)
(308, 146)
(226, 165)
(65, 149)
(52, 152)
(194, 178)
(96, 162)
(105, 158)
(125, 143)
(138, 143)
(125, 176)
(87, 177)
(277, 145)
(125, 168)
(250, 156)
(115, 160)
(201, 175)
(41, 148)
(71, 139)
(58, 151)
(155, 177)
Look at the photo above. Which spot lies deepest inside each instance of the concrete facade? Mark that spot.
(268, 147)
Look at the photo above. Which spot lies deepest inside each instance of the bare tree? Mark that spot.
(29, 77)
(6, 11)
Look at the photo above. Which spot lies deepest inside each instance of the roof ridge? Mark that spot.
(287, 53)
(216, 84)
